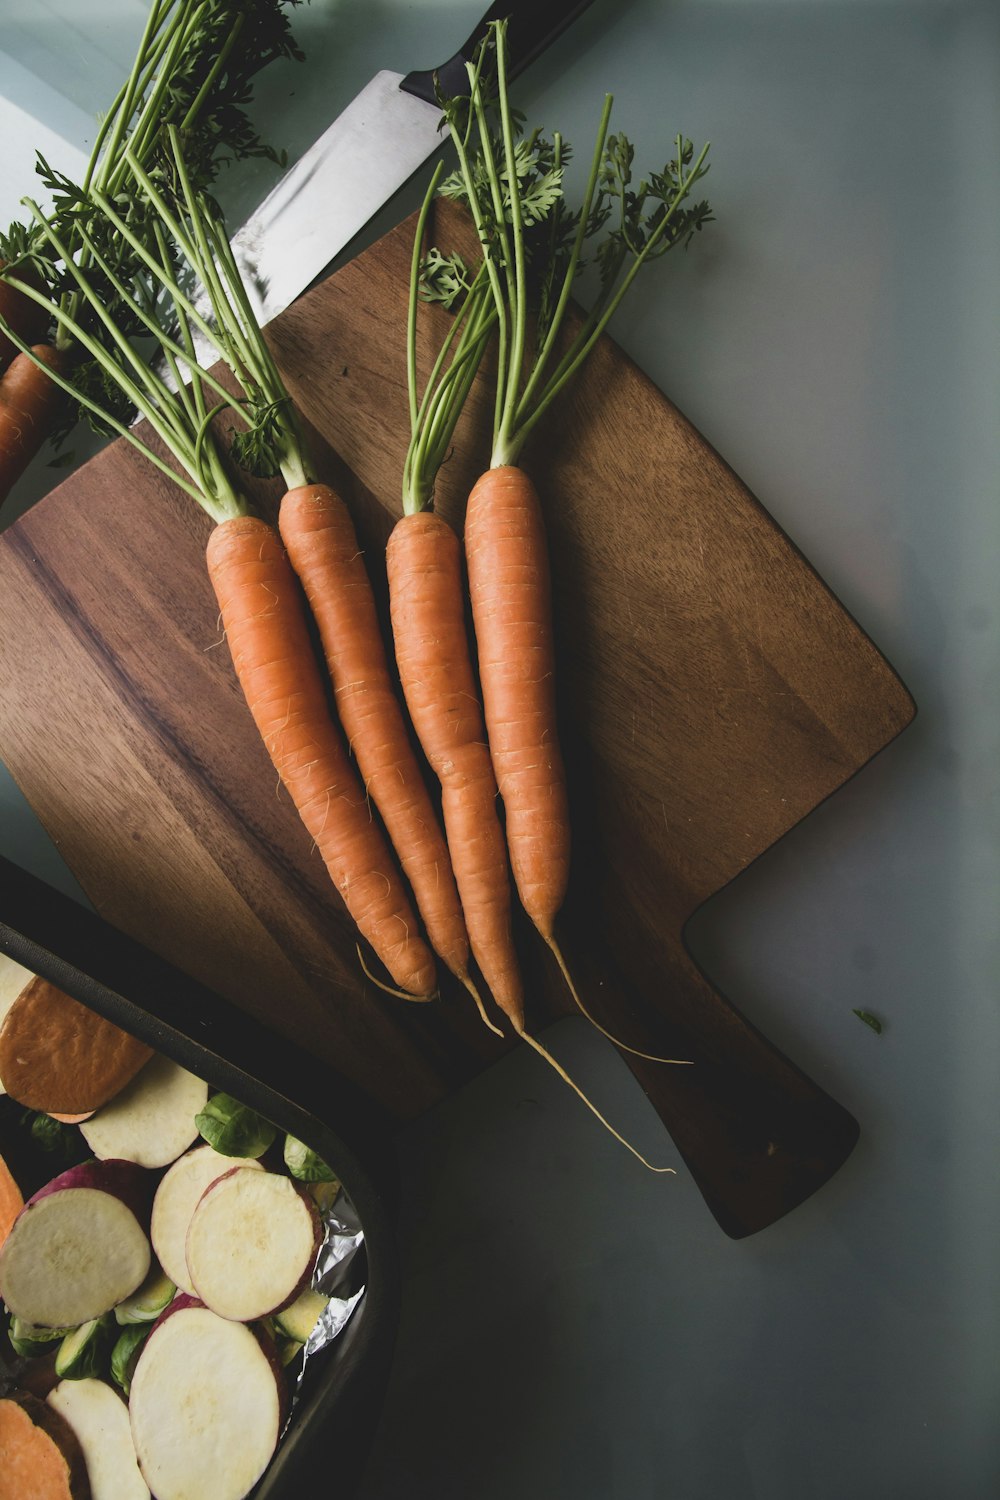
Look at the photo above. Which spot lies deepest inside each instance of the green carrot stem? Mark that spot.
(134, 86)
(226, 340)
(171, 349)
(565, 291)
(149, 382)
(191, 389)
(517, 287)
(294, 459)
(503, 314)
(230, 302)
(171, 44)
(213, 73)
(595, 325)
(219, 511)
(445, 394)
(153, 110)
(411, 311)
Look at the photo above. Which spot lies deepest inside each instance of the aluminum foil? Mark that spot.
(336, 1276)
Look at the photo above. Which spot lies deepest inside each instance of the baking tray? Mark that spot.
(337, 1408)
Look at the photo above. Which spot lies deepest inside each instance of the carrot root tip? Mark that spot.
(391, 989)
(553, 1062)
(679, 1062)
(477, 997)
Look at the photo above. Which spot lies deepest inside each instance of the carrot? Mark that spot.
(27, 318)
(42, 1457)
(424, 564)
(531, 269)
(322, 546)
(267, 632)
(11, 1200)
(194, 67)
(507, 560)
(257, 591)
(29, 403)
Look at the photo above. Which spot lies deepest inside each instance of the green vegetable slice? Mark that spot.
(125, 1354)
(82, 1352)
(234, 1129)
(304, 1163)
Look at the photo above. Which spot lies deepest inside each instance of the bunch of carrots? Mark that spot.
(193, 68)
(269, 581)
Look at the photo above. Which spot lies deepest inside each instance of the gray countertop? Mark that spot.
(574, 1327)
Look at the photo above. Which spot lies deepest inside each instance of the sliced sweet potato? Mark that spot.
(99, 1417)
(153, 1120)
(57, 1055)
(42, 1457)
(11, 1200)
(207, 1404)
(79, 1246)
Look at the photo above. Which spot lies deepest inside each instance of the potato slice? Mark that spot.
(152, 1120)
(177, 1198)
(99, 1418)
(207, 1405)
(78, 1247)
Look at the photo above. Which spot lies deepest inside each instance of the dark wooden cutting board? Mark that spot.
(712, 692)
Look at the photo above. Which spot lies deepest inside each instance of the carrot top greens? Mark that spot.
(193, 71)
(156, 249)
(534, 249)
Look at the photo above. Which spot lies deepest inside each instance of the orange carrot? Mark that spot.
(29, 402)
(507, 560)
(322, 546)
(27, 318)
(11, 1200)
(424, 565)
(265, 624)
(432, 650)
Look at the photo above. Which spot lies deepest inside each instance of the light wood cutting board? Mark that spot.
(712, 692)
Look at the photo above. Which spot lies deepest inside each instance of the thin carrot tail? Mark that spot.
(477, 997)
(554, 1063)
(390, 989)
(680, 1062)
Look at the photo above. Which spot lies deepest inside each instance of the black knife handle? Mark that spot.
(533, 24)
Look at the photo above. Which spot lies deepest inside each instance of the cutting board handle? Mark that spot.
(757, 1135)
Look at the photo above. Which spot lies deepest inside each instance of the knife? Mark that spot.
(366, 155)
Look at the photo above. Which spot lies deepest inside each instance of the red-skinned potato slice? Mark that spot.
(99, 1418)
(78, 1247)
(252, 1244)
(152, 1120)
(207, 1405)
(40, 1455)
(11, 1200)
(177, 1198)
(57, 1055)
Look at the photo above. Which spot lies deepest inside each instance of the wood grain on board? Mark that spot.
(712, 692)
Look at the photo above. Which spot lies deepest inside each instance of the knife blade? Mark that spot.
(370, 151)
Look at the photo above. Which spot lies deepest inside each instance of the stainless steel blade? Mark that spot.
(375, 146)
